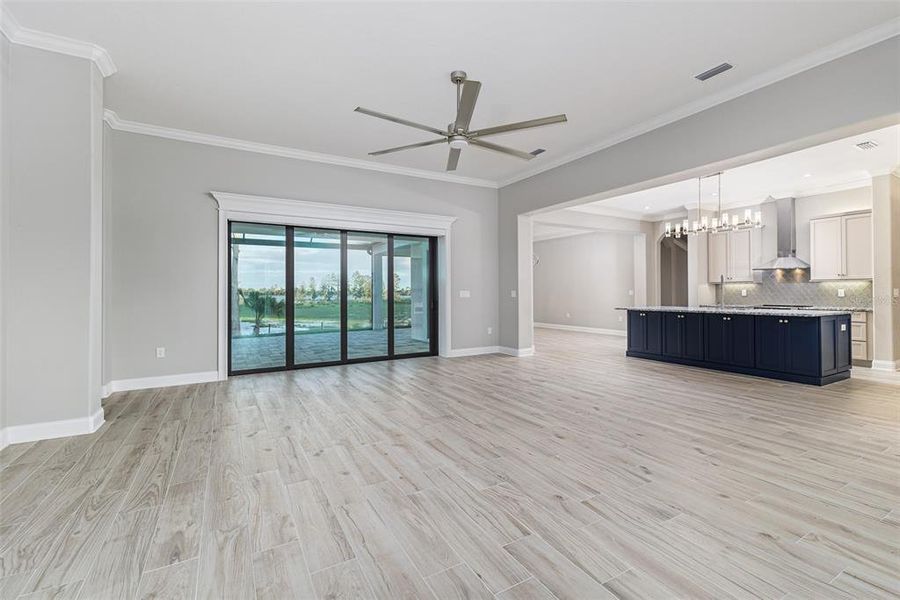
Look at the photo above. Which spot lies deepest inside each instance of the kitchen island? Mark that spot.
(805, 346)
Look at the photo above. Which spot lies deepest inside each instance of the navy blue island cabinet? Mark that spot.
(801, 347)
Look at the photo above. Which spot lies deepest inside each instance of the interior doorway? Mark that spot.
(673, 271)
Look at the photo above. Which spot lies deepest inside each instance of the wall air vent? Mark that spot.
(713, 72)
(536, 152)
(867, 145)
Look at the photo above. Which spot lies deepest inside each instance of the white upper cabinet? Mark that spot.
(717, 255)
(825, 237)
(729, 257)
(858, 246)
(841, 247)
(739, 260)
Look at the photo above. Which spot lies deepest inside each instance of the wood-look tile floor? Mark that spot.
(576, 473)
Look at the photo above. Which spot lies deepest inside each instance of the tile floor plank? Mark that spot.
(177, 581)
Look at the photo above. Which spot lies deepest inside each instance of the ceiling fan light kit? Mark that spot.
(457, 135)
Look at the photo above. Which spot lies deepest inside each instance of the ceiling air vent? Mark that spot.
(536, 152)
(867, 145)
(713, 72)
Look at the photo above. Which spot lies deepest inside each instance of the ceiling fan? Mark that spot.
(457, 134)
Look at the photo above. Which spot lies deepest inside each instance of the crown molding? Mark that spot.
(843, 47)
(195, 137)
(41, 40)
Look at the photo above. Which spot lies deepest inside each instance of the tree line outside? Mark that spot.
(317, 305)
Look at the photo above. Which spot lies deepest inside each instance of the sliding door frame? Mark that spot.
(253, 208)
(290, 287)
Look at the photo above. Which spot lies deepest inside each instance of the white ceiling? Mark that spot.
(290, 74)
(829, 167)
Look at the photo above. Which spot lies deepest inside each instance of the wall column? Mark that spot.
(53, 269)
(886, 249)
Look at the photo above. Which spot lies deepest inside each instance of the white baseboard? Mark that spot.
(619, 332)
(886, 365)
(516, 351)
(17, 434)
(143, 383)
(457, 352)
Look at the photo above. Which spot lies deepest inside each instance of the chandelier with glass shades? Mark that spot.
(721, 223)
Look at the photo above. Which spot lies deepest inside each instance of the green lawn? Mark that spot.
(327, 316)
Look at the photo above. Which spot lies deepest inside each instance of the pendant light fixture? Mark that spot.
(720, 223)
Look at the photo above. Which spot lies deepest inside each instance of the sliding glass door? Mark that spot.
(367, 286)
(412, 285)
(337, 297)
(317, 296)
(258, 279)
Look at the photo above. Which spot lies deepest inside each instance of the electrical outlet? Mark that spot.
(490, 330)
(512, 293)
(620, 318)
(465, 294)
(841, 293)
(631, 292)
(744, 293)
(896, 292)
(160, 352)
(568, 315)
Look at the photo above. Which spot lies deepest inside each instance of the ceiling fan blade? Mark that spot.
(520, 125)
(501, 149)
(409, 146)
(453, 159)
(466, 107)
(379, 115)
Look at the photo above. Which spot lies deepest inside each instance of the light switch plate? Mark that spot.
(896, 292)
(160, 352)
(744, 293)
(512, 293)
(631, 292)
(841, 293)
(465, 294)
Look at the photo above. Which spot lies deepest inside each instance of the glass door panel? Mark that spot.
(317, 296)
(257, 298)
(367, 294)
(412, 295)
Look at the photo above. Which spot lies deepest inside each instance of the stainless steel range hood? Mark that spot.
(786, 232)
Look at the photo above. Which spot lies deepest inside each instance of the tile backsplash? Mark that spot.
(794, 287)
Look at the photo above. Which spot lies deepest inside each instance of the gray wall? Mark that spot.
(47, 282)
(5, 51)
(586, 276)
(858, 92)
(161, 252)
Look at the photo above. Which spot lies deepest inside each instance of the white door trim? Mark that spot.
(283, 211)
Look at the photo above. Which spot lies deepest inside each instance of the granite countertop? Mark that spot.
(741, 310)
